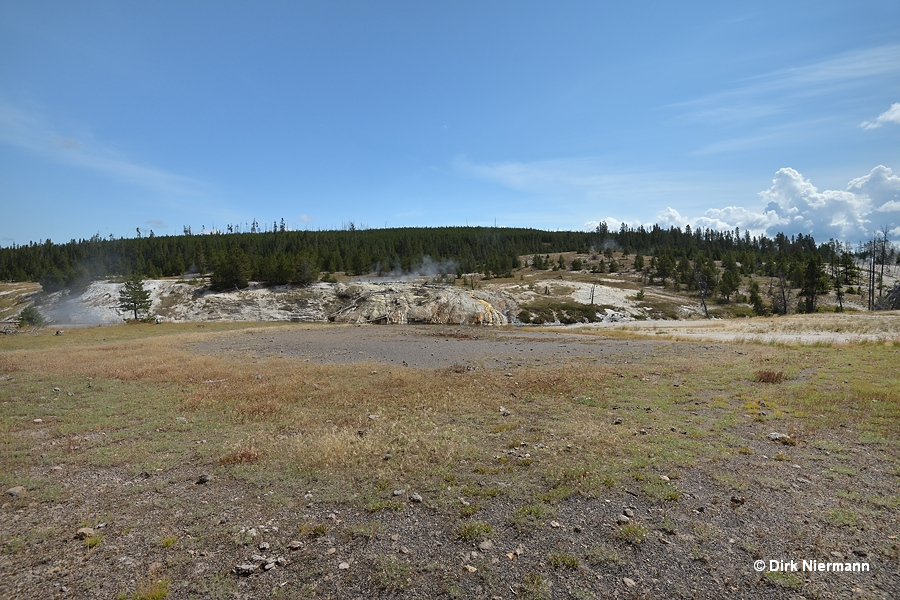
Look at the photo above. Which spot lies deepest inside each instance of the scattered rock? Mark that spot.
(244, 570)
(471, 569)
(555, 524)
(263, 546)
(504, 412)
(204, 478)
(56, 389)
(622, 519)
(399, 492)
(486, 545)
(404, 550)
(618, 421)
(295, 545)
(628, 513)
(344, 566)
(387, 456)
(16, 492)
(629, 582)
(663, 477)
(415, 497)
(84, 533)
(281, 561)
(37, 420)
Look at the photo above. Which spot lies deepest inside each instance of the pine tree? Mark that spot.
(133, 297)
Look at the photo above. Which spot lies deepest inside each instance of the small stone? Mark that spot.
(504, 412)
(664, 478)
(415, 497)
(245, 569)
(331, 551)
(281, 561)
(618, 421)
(776, 436)
(263, 546)
(622, 519)
(307, 496)
(404, 550)
(577, 529)
(84, 533)
(628, 513)
(643, 432)
(486, 545)
(344, 566)
(258, 558)
(16, 492)
(629, 582)
(204, 478)
(471, 569)
(56, 389)
(295, 545)
(399, 492)
(37, 420)
(555, 524)
(387, 456)
(394, 537)
(258, 377)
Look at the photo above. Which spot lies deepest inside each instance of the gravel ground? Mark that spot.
(702, 546)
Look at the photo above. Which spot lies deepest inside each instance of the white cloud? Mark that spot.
(891, 115)
(774, 92)
(31, 131)
(794, 205)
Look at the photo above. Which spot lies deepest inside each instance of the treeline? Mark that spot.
(283, 256)
(706, 260)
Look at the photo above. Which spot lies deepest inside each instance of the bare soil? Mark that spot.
(829, 502)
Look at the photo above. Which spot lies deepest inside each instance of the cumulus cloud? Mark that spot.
(891, 115)
(792, 205)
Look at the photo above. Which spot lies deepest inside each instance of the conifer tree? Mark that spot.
(133, 297)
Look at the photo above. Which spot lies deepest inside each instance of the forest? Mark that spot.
(708, 260)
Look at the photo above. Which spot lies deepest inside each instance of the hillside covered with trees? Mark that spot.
(706, 261)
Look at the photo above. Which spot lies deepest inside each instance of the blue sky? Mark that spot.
(768, 116)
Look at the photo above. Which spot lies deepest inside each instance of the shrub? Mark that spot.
(30, 317)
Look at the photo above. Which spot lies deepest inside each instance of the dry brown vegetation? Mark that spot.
(581, 439)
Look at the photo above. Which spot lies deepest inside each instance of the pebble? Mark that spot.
(486, 545)
(415, 497)
(404, 550)
(295, 545)
(344, 566)
(622, 519)
(37, 420)
(471, 569)
(83, 533)
(629, 582)
(504, 412)
(387, 456)
(664, 478)
(204, 478)
(263, 546)
(16, 491)
(618, 421)
(555, 524)
(399, 492)
(628, 513)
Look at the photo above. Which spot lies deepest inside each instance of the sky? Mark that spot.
(767, 116)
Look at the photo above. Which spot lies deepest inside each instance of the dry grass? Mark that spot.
(769, 376)
(329, 427)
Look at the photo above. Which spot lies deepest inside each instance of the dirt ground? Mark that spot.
(703, 546)
(432, 347)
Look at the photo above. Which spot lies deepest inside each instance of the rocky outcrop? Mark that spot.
(423, 303)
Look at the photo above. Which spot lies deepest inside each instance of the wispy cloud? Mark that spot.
(33, 132)
(891, 115)
(580, 178)
(752, 98)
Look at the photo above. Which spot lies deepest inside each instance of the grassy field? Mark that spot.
(650, 428)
